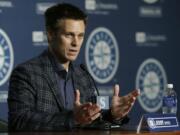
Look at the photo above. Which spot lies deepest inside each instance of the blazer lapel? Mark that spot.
(78, 83)
(54, 88)
(51, 79)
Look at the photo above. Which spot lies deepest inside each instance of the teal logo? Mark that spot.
(151, 80)
(102, 55)
(6, 57)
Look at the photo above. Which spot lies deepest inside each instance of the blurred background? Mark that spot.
(133, 43)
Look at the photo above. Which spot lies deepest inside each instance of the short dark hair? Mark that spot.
(63, 11)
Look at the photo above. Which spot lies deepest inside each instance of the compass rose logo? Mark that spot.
(102, 54)
(151, 80)
(6, 57)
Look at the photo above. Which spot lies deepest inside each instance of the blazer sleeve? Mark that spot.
(22, 114)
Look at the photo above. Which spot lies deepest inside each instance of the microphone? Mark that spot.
(102, 101)
(85, 69)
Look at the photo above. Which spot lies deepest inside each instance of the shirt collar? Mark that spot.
(59, 67)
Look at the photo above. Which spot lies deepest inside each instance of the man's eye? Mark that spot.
(81, 36)
(69, 35)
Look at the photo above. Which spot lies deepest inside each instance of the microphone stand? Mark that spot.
(101, 124)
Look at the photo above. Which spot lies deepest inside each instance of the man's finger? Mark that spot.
(86, 106)
(95, 116)
(129, 99)
(132, 95)
(77, 98)
(116, 90)
(135, 93)
(94, 109)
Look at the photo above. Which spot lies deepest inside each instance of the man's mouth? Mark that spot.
(73, 52)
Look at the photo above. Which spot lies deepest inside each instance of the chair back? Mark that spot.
(3, 126)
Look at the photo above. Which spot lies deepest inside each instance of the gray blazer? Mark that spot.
(34, 101)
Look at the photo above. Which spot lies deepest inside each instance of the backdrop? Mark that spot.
(133, 43)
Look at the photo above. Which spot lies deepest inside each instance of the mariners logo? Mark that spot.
(151, 123)
(102, 55)
(6, 57)
(151, 80)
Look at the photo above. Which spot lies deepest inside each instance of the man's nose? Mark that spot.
(75, 41)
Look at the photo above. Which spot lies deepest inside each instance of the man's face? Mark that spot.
(66, 42)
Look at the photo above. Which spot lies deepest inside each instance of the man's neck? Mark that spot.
(65, 64)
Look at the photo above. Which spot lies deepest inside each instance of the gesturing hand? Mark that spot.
(85, 113)
(122, 105)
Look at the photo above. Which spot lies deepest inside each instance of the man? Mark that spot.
(48, 92)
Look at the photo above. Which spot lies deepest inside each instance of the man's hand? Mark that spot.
(85, 113)
(122, 105)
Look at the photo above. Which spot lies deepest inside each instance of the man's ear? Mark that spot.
(50, 35)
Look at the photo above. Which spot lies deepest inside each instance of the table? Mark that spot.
(92, 132)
